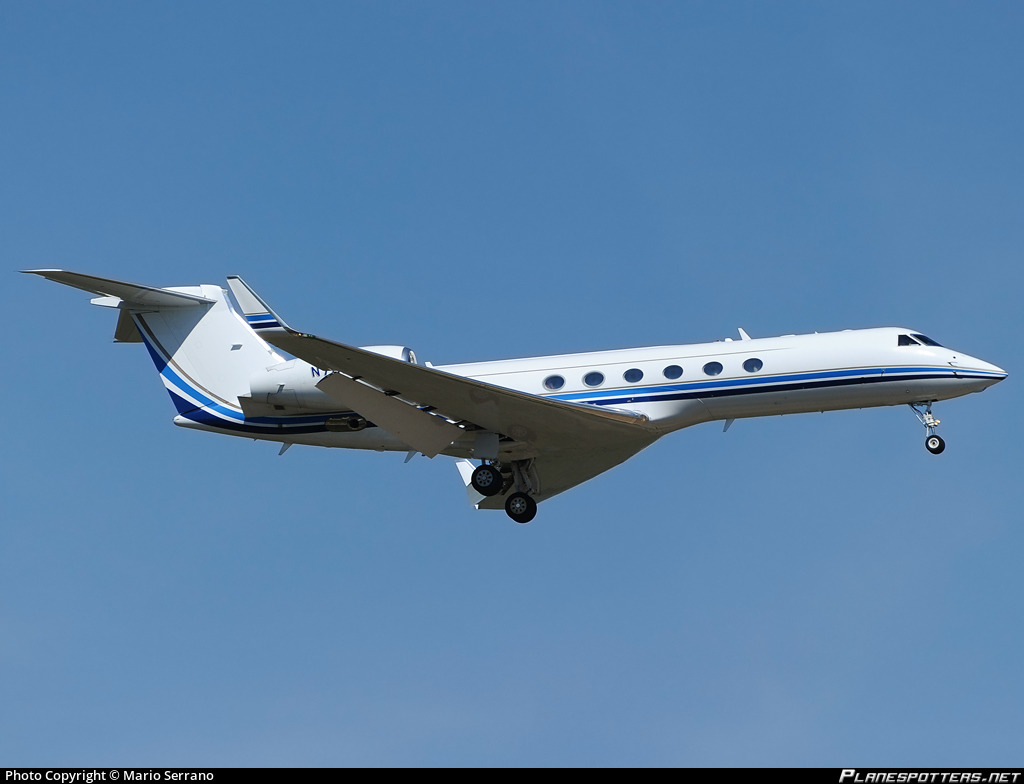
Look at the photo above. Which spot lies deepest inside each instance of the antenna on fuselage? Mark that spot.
(743, 335)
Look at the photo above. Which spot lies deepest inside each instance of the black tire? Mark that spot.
(487, 480)
(520, 507)
(934, 444)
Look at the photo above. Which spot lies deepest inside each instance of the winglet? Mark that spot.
(257, 312)
(743, 334)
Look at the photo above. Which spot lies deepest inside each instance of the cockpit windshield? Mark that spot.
(917, 340)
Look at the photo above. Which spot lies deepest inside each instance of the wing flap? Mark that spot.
(421, 430)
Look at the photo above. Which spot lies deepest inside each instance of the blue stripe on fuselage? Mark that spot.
(276, 425)
(763, 384)
(212, 413)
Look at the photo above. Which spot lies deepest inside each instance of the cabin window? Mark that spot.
(633, 375)
(906, 340)
(554, 382)
(594, 379)
(753, 365)
(712, 368)
(673, 371)
(927, 341)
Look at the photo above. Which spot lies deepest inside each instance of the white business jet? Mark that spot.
(523, 430)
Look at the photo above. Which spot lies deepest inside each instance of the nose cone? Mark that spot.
(972, 367)
(998, 371)
(995, 371)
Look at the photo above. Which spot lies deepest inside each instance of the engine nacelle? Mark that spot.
(290, 388)
(287, 388)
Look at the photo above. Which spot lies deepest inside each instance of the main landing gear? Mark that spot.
(488, 480)
(520, 507)
(932, 442)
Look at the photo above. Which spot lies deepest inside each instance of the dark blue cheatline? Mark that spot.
(206, 408)
(748, 385)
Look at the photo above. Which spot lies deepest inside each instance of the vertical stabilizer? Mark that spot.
(205, 352)
(206, 355)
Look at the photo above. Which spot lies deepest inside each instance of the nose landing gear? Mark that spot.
(932, 442)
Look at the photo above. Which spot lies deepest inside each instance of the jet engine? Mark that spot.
(290, 388)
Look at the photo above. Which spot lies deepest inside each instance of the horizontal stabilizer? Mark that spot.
(131, 294)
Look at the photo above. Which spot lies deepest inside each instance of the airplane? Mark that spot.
(522, 430)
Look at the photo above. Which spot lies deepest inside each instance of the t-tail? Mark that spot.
(221, 375)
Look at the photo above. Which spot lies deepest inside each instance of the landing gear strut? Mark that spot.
(932, 442)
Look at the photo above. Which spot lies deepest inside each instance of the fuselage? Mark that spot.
(678, 386)
(674, 386)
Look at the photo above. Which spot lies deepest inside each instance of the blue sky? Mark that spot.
(481, 181)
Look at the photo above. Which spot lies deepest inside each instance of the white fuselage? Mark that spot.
(683, 385)
(790, 374)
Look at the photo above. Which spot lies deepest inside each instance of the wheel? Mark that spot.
(520, 507)
(487, 480)
(934, 444)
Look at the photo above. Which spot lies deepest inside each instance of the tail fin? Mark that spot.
(204, 351)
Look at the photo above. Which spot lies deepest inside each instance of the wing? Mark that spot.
(568, 442)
